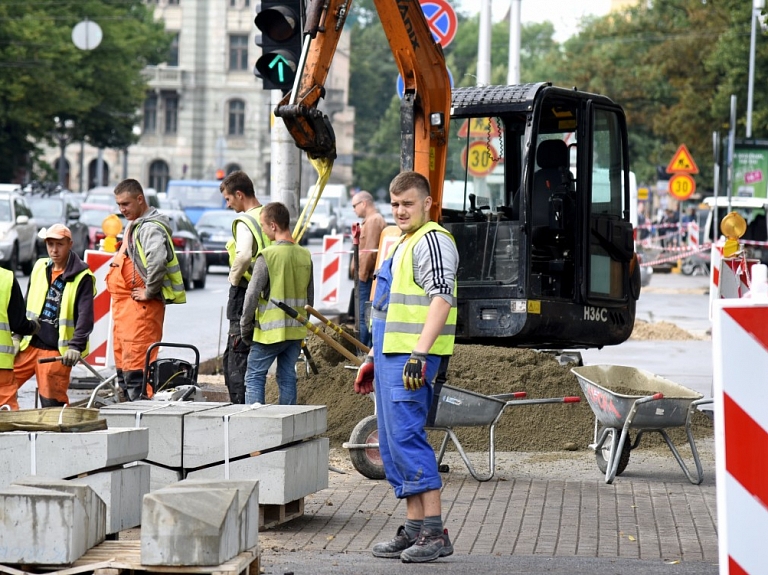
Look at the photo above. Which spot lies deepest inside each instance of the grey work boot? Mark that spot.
(430, 544)
(393, 548)
(134, 384)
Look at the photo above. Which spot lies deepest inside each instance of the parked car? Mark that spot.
(18, 233)
(189, 249)
(323, 220)
(49, 210)
(347, 217)
(215, 230)
(106, 195)
(93, 215)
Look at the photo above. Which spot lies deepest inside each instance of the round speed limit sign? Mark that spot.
(479, 158)
(682, 186)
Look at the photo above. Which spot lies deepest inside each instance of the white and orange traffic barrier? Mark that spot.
(729, 277)
(331, 268)
(101, 353)
(740, 361)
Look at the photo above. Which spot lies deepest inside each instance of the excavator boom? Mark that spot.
(425, 109)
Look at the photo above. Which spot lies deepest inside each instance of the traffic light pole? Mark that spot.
(286, 164)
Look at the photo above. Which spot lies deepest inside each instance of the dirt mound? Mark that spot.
(486, 370)
(661, 330)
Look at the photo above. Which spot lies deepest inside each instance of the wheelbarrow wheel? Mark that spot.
(367, 461)
(602, 454)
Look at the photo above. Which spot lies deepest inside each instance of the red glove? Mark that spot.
(364, 379)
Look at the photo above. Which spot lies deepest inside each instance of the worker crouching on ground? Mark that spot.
(13, 325)
(283, 272)
(143, 276)
(414, 323)
(248, 240)
(59, 296)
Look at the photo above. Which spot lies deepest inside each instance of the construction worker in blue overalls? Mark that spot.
(413, 326)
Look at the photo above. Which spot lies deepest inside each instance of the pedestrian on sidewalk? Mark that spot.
(248, 240)
(13, 325)
(143, 277)
(414, 324)
(60, 296)
(283, 272)
(370, 234)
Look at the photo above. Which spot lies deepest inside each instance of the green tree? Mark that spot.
(43, 76)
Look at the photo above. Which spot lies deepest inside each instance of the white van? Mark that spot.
(335, 194)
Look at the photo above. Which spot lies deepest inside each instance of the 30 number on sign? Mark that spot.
(479, 159)
(682, 186)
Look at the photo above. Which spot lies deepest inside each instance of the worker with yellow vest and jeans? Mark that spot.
(413, 326)
(143, 277)
(13, 325)
(283, 272)
(248, 240)
(59, 296)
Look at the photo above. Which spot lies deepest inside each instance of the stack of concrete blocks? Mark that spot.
(276, 445)
(48, 520)
(200, 522)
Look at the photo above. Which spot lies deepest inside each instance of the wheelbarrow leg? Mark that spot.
(699, 471)
(491, 453)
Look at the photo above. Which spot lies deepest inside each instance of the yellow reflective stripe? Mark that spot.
(415, 328)
(409, 299)
(5, 326)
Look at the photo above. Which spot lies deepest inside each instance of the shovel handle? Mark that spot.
(318, 332)
(338, 329)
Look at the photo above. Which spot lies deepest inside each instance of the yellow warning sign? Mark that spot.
(682, 162)
(479, 128)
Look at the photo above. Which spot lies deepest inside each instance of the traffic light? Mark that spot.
(279, 22)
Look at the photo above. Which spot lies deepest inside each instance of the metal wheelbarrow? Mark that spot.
(452, 407)
(659, 404)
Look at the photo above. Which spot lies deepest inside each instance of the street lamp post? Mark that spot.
(62, 133)
(757, 6)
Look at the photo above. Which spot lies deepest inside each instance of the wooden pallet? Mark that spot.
(273, 515)
(118, 557)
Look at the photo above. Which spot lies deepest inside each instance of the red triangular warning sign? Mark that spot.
(682, 162)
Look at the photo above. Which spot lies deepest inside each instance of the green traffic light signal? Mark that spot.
(280, 25)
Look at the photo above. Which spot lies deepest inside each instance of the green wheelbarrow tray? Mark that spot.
(658, 404)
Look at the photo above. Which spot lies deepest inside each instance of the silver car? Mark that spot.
(18, 233)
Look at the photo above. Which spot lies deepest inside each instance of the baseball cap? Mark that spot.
(56, 232)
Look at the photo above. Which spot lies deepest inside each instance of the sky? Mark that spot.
(564, 14)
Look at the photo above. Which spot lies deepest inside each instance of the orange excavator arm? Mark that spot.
(425, 108)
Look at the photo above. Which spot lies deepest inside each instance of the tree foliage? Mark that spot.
(43, 76)
(671, 64)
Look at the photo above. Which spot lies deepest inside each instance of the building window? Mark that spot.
(238, 52)
(173, 2)
(159, 175)
(173, 56)
(150, 114)
(171, 103)
(236, 118)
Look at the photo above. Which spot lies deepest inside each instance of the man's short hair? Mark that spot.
(238, 181)
(406, 180)
(364, 196)
(278, 214)
(129, 186)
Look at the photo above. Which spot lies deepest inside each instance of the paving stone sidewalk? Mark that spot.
(555, 505)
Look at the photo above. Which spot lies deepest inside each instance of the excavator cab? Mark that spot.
(536, 194)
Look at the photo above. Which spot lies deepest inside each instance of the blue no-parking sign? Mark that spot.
(442, 20)
(401, 84)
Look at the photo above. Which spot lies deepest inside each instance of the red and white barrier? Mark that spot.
(740, 361)
(331, 269)
(693, 235)
(728, 277)
(101, 353)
